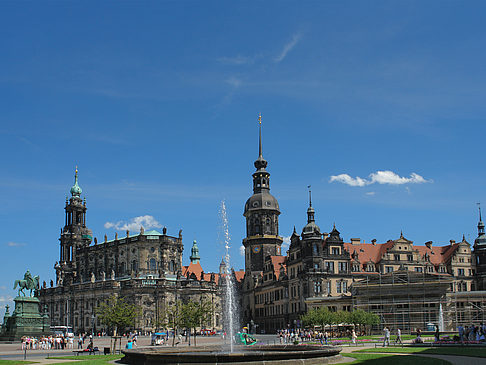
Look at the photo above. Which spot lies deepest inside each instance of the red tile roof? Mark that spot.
(374, 252)
(240, 274)
(277, 261)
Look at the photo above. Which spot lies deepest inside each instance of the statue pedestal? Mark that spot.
(26, 320)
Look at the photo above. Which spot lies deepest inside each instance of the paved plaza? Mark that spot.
(13, 351)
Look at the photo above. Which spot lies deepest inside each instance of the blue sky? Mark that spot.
(378, 105)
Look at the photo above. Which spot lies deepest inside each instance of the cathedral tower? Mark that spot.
(261, 213)
(74, 235)
(480, 255)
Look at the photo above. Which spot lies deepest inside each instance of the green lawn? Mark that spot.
(386, 359)
(459, 351)
(89, 359)
(14, 362)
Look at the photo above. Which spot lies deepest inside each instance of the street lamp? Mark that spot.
(92, 324)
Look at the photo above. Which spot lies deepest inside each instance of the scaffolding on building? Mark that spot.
(412, 300)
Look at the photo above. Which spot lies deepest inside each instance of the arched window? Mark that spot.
(134, 265)
(171, 265)
(152, 264)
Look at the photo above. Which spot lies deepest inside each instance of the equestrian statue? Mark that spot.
(29, 283)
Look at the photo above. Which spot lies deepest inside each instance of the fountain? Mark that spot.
(230, 315)
(441, 318)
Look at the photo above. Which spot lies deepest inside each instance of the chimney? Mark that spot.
(429, 245)
(452, 242)
(355, 241)
(325, 235)
(373, 241)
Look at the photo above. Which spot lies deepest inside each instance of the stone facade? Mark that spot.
(145, 268)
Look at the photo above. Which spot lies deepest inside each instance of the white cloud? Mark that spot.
(348, 180)
(242, 250)
(288, 47)
(15, 244)
(370, 193)
(389, 177)
(285, 244)
(380, 177)
(147, 221)
(237, 60)
(233, 81)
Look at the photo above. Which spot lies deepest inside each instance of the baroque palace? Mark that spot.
(145, 268)
(408, 285)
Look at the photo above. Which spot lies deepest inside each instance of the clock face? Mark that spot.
(256, 249)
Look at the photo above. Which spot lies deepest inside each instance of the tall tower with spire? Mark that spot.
(480, 254)
(74, 234)
(194, 253)
(261, 213)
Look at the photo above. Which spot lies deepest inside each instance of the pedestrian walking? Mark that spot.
(399, 337)
(386, 338)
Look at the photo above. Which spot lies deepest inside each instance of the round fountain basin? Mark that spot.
(259, 354)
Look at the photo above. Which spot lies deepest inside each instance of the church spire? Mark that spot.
(76, 189)
(194, 253)
(310, 210)
(480, 223)
(260, 163)
(260, 129)
(261, 178)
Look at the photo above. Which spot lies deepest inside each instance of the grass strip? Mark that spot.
(90, 357)
(386, 359)
(457, 351)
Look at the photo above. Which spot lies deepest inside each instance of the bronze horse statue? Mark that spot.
(29, 283)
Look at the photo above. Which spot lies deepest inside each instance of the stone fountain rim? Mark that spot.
(213, 354)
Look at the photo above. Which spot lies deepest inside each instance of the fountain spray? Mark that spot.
(230, 314)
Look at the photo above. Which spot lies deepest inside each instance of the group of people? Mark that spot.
(59, 342)
(132, 341)
(387, 335)
(472, 332)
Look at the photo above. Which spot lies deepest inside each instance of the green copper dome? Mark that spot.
(76, 189)
(195, 253)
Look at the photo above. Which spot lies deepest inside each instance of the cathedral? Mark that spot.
(144, 267)
(408, 285)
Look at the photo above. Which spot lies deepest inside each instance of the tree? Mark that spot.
(116, 313)
(319, 317)
(194, 314)
(371, 319)
(323, 316)
(172, 318)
